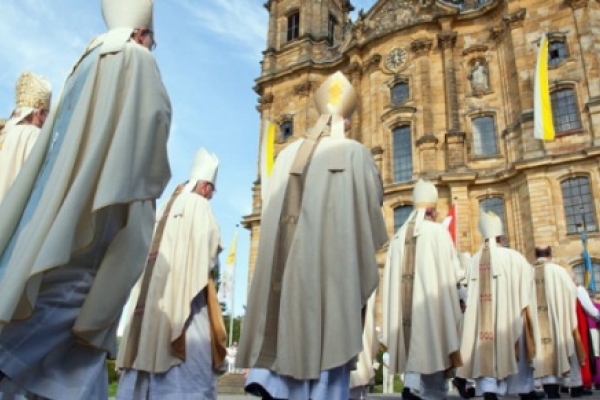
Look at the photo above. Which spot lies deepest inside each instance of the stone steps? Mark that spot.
(231, 384)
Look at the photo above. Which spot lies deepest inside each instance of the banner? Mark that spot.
(543, 125)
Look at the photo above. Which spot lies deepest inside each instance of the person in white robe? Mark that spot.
(33, 94)
(316, 268)
(78, 220)
(499, 337)
(560, 343)
(166, 349)
(363, 376)
(421, 309)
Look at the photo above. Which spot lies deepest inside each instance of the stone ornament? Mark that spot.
(478, 75)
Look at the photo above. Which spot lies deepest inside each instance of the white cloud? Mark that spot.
(240, 23)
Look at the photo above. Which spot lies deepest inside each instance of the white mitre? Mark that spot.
(205, 167)
(425, 195)
(127, 14)
(490, 225)
(336, 96)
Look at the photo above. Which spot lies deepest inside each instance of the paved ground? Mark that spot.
(397, 396)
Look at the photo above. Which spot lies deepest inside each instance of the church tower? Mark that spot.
(303, 30)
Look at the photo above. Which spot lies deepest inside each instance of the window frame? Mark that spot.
(575, 214)
(288, 122)
(555, 40)
(408, 177)
(332, 22)
(579, 272)
(293, 25)
(477, 134)
(398, 84)
(575, 108)
(403, 207)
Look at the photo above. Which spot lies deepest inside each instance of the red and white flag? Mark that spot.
(451, 224)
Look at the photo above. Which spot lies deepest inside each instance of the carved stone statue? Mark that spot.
(479, 77)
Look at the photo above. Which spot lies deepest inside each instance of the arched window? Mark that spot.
(287, 129)
(293, 26)
(402, 163)
(564, 110)
(579, 271)
(484, 136)
(331, 24)
(577, 200)
(401, 214)
(400, 93)
(557, 52)
(495, 205)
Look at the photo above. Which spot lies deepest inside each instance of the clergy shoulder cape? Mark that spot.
(556, 342)
(15, 145)
(330, 271)
(188, 252)
(435, 341)
(113, 154)
(365, 371)
(512, 292)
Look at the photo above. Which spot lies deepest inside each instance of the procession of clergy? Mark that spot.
(80, 235)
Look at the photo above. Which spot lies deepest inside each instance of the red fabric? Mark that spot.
(582, 325)
(451, 222)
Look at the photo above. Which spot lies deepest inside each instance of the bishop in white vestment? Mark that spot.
(421, 308)
(78, 220)
(316, 267)
(33, 95)
(560, 344)
(499, 337)
(166, 348)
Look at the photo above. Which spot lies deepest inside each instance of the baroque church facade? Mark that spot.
(446, 94)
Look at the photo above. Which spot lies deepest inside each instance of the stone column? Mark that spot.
(446, 42)
(355, 73)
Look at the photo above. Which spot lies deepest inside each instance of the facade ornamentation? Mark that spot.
(447, 40)
(497, 32)
(515, 20)
(576, 4)
(478, 75)
(421, 46)
(303, 89)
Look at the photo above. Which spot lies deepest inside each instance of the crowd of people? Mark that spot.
(80, 235)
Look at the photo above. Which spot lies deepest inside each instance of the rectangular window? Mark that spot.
(403, 168)
(484, 136)
(401, 214)
(331, 23)
(564, 110)
(577, 201)
(293, 28)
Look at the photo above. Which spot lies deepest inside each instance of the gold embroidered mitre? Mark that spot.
(127, 13)
(490, 225)
(425, 195)
(336, 96)
(33, 91)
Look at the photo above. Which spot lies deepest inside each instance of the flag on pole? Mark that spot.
(543, 125)
(226, 288)
(588, 281)
(267, 157)
(451, 224)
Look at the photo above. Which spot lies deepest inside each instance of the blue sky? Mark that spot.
(208, 53)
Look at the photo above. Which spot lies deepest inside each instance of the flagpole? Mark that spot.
(233, 290)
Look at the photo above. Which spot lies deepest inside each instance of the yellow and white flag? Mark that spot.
(543, 125)
(226, 287)
(267, 158)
